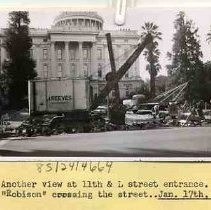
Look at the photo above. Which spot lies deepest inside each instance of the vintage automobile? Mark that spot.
(207, 115)
(163, 108)
(140, 118)
(101, 110)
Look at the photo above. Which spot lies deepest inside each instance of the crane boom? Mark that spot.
(113, 68)
(113, 78)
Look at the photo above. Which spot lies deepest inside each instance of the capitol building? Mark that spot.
(75, 47)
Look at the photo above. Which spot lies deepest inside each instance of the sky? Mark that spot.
(162, 15)
(101, 3)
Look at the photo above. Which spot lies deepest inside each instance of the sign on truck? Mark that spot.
(58, 95)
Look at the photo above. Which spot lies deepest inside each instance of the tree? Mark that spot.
(20, 66)
(145, 90)
(186, 64)
(209, 36)
(207, 84)
(161, 84)
(152, 53)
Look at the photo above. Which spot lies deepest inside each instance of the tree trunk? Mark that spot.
(152, 81)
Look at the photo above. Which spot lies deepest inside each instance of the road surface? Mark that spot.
(166, 142)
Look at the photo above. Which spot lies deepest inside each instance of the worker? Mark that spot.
(184, 107)
(156, 111)
(200, 106)
(193, 114)
(173, 110)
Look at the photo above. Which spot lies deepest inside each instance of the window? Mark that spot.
(126, 40)
(99, 54)
(45, 70)
(87, 23)
(73, 69)
(60, 70)
(126, 75)
(93, 23)
(85, 54)
(80, 22)
(59, 54)
(74, 22)
(85, 69)
(45, 40)
(128, 89)
(99, 71)
(98, 26)
(45, 54)
(72, 54)
(127, 93)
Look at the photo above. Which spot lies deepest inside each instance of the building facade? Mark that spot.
(75, 46)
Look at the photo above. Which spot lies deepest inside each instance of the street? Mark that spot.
(166, 142)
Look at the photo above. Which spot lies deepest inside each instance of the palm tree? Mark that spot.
(152, 53)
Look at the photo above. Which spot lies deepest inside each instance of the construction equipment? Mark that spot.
(117, 111)
(113, 69)
(171, 95)
(71, 96)
(114, 77)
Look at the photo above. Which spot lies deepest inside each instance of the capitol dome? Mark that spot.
(86, 21)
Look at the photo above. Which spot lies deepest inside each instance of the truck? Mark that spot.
(59, 95)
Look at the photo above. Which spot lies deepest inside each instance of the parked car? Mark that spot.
(100, 110)
(163, 108)
(207, 115)
(139, 118)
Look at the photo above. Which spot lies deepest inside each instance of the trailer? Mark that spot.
(60, 95)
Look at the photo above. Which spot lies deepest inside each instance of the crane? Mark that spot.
(117, 112)
(113, 77)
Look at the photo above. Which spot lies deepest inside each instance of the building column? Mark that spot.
(106, 59)
(38, 55)
(93, 67)
(80, 66)
(67, 57)
(53, 60)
